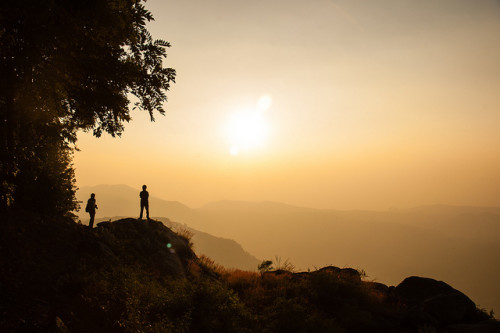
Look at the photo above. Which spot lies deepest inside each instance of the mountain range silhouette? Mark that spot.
(454, 244)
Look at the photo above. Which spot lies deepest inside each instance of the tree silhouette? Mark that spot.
(67, 66)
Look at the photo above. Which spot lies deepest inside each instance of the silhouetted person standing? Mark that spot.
(91, 207)
(144, 201)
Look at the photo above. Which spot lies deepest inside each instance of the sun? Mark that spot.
(248, 129)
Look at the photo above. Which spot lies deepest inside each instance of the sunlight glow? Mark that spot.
(247, 128)
(264, 103)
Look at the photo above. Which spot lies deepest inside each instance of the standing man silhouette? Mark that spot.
(91, 207)
(144, 201)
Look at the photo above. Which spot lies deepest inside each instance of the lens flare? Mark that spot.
(264, 103)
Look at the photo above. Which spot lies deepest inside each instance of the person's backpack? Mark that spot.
(87, 207)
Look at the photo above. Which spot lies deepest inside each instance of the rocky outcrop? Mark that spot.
(414, 289)
(436, 303)
(48, 267)
(343, 273)
(146, 243)
(416, 304)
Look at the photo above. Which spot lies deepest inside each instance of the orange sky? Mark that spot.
(374, 105)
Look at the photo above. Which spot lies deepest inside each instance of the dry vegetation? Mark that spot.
(122, 278)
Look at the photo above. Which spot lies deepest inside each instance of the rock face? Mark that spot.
(415, 289)
(146, 243)
(345, 273)
(435, 302)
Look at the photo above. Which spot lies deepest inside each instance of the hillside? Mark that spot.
(454, 244)
(131, 276)
(121, 200)
(223, 251)
(57, 273)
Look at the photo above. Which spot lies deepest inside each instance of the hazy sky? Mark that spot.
(346, 104)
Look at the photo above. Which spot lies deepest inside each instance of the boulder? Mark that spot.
(146, 243)
(414, 289)
(332, 269)
(449, 308)
(350, 274)
(435, 302)
(378, 287)
(344, 273)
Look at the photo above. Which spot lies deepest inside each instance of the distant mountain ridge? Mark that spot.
(116, 201)
(455, 244)
(249, 205)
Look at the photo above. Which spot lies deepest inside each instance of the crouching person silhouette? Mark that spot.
(144, 201)
(91, 207)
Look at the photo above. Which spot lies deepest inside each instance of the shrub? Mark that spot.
(185, 233)
(265, 266)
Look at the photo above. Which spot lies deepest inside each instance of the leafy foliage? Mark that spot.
(132, 301)
(66, 66)
(265, 266)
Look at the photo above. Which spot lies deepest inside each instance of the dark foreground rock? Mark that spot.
(139, 276)
(145, 243)
(436, 303)
(51, 269)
